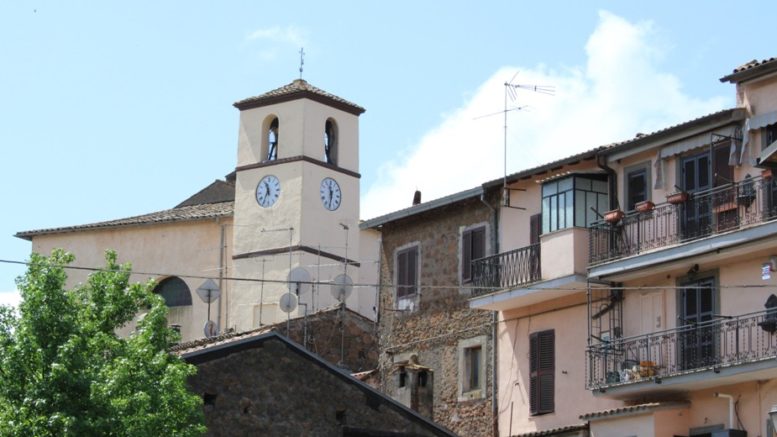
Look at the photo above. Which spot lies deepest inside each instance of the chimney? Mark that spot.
(416, 197)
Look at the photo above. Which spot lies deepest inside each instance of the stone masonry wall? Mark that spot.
(442, 317)
(272, 390)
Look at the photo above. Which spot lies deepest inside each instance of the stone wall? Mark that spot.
(269, 388)
(340, 336)
(442, 319)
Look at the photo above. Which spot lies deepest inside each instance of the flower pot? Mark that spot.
(613, 216)
(767, 173)
(677, 198)
(644, 206)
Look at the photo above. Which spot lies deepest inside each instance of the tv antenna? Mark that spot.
(511, 94)
(287, 304)
(341, 287)
(209, 292)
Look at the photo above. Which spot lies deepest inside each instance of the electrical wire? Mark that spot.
(421, 287)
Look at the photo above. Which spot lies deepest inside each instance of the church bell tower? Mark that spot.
(296, 203)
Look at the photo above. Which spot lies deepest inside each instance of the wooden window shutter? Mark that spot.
(535, 228)
(473, 246)
(466, 256)
(412, 270)
(402, 275)
(542, 372)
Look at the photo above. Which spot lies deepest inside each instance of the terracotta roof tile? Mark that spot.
(297, 90)
(185, 213)
(634, 409)
(751, 69)
(555, 431)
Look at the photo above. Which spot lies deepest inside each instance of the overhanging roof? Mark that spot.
(299, 89)
(751, 70)
(421, 207)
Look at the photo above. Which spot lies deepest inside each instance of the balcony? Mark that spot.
(734, 349)
(506, 270)
(704, 214)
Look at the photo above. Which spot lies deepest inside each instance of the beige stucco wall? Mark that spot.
(630, 426)
(567, 316)
(564, 253)
(175, 249)
(301, 132)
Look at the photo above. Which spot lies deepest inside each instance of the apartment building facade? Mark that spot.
(636, 290)
(437, 352)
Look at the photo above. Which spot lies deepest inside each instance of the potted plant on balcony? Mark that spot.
(677, 198)
(644, 206)
(767, 173)
(613, 216)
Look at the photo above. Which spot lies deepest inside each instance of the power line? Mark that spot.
(600, 287)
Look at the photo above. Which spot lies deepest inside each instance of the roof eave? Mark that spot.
(677, 133)
(751, 73)
(257, 102)
(420, 208)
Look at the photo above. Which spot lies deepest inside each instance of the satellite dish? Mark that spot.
(288, 302)
(341, 287)
(209, 291)
(299, 281)
(210, 329)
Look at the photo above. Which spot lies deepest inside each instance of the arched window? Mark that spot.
(272, 140)
(330, 142)
(175, 292)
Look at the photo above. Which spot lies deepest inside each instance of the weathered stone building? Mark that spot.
(429, 337)
(338, 335)
(264, 384)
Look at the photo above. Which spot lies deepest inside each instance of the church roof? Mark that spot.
(750, 70)
(185, 213)
(299, 89)
(218, 191)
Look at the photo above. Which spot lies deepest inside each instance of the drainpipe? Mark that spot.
(221, 275)
(601, 162)
(494, 319)
(730, 408)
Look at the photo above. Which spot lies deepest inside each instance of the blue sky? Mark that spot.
(115, 109)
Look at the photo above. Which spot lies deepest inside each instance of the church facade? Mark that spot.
(278, 238)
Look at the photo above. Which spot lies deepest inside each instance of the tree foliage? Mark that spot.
(65, 372)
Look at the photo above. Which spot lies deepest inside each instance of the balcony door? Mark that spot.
(696, 214)
(697, 338)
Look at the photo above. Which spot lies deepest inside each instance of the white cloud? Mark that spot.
(289, 34)
(10, 298)
(619, 91)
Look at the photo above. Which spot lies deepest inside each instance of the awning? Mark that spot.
(763, 120)
(768, 158)
(695, 142)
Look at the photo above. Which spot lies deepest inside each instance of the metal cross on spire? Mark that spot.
(301, 60)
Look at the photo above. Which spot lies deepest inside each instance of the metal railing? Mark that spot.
(506, 270)
(721, 209)
(714, 344)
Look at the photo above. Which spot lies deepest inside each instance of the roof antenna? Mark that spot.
(510, 91)
(301, 60)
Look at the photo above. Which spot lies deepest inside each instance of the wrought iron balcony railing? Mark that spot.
(506, 270)
(722, 209)
(714, 344)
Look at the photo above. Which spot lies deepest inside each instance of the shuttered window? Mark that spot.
(473, 246)
(407, 272)
(542, 368)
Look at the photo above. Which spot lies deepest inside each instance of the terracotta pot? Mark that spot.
(644, 206)
(767, 173)
(613, 216)
(677, 198)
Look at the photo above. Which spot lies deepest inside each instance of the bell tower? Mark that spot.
(296, 202)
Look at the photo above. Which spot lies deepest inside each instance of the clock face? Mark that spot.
(330, 194)
(267, 191)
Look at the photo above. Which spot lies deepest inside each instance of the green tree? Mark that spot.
(65, 372)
